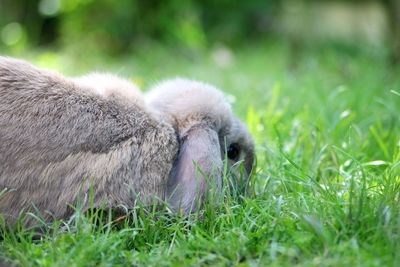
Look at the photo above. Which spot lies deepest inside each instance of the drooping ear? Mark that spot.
(196, 170)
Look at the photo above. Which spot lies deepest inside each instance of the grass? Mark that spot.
(327, 183)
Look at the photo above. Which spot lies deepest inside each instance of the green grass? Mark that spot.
(327, 184)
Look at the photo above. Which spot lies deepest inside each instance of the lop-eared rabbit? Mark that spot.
(62, 138)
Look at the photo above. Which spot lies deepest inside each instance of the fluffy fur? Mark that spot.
(59, 136)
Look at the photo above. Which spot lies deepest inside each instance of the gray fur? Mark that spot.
(205, 124)
(59, 135)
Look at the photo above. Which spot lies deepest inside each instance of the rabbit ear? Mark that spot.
(196, 170)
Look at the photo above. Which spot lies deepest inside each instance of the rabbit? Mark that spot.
(62, 137)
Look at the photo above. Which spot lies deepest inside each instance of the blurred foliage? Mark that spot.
(118, 26)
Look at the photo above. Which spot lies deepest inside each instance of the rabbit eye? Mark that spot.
(233, 151)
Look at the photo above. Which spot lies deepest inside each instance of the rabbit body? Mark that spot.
(59, 136)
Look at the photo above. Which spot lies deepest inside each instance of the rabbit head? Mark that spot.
(208, 133)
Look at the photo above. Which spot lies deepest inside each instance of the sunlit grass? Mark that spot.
(326, 189)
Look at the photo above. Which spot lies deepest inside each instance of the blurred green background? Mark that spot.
(86, 28)
(119, 26)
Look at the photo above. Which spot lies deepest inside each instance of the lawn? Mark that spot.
(326, 189)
